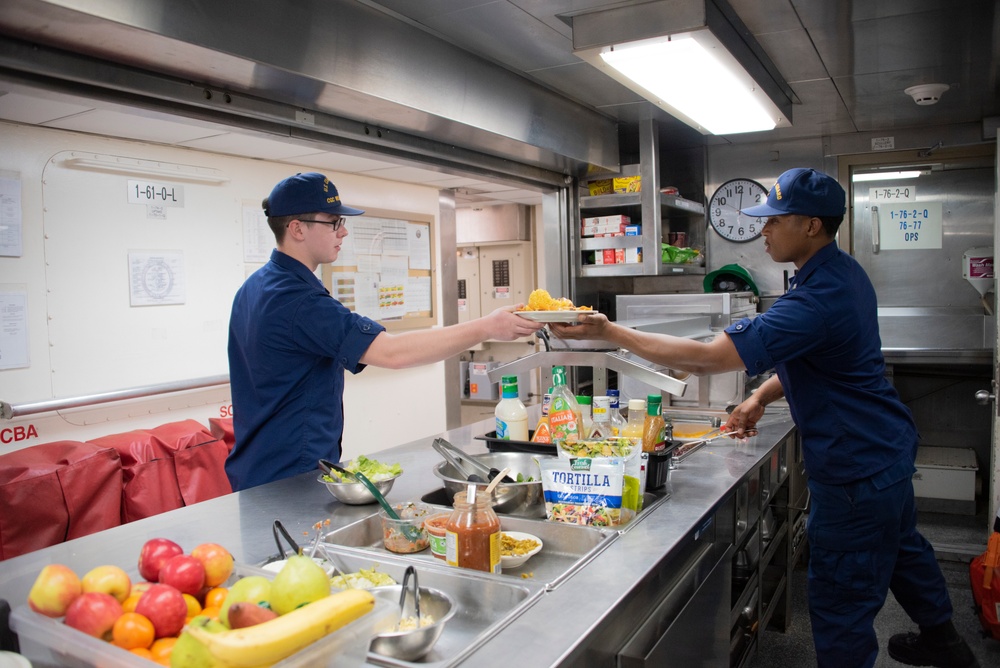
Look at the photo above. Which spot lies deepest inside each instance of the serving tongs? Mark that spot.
(410, 570)
(457, 458)
(277, 528)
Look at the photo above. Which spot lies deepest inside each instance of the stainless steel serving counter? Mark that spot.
(563, 626)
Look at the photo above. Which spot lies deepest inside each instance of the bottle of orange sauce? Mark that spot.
(472, 534)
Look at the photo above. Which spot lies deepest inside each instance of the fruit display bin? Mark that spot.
(48, 642)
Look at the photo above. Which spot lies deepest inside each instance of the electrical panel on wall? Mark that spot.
(506, 275)
(468, 284)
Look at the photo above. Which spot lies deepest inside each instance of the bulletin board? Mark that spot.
(386, 269)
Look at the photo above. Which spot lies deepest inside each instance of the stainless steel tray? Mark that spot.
(484, 605)
(567, 548)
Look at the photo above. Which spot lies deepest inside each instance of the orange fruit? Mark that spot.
(143, 652)
(215, 597)
(128, 605)
(211, 611)
(132, 630)
(161, 649)
(194, 607)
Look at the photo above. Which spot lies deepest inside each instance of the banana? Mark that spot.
(276, 639)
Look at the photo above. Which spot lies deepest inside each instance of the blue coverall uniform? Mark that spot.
(859, 442)
(289, 344)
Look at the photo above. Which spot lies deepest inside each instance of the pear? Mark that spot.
(189, 652)
(301, 580)
(253, 588)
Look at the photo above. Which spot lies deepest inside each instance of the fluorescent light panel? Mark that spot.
(696, 79)
(885, 176)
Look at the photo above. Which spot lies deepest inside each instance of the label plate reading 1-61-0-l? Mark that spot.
(150, 192)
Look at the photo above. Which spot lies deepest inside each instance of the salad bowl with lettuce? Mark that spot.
(348, 490)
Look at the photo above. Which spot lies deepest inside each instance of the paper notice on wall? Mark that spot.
(366, 294)
(343, 290)
(258, 239)
(418, 294)
(156, 278)
(10, 217)
(911, 226)
(420, 246)
(392, 287)
(13, 329)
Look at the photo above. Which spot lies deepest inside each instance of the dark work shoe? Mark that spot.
(916, 650)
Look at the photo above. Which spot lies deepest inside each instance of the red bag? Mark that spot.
(55, 492)
(222, 429)
(984, 574)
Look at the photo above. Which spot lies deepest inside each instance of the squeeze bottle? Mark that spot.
(511, 415)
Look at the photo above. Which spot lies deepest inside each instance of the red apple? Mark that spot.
(154, 554)
(217, 561)
(165, 607)
(184, 573)
(94, 614)
(55, 588)
(108, 580)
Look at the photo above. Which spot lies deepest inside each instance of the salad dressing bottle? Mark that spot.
(511, 415)
(543, 434)
(654, 427)
(636, 420)
(601, 427)
(586, 414)
(564, 412)
(617, 419)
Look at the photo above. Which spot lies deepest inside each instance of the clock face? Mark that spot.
(724, 210)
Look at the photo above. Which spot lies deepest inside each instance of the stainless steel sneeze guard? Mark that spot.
(613, 360)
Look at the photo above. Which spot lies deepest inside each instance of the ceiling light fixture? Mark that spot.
(885, 176)
(693, 58)
(136, 167)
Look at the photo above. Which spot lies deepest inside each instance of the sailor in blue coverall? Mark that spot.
(859, 440)
(290, 341)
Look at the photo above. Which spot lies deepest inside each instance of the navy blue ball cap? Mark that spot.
(306, 193)
(805, 192)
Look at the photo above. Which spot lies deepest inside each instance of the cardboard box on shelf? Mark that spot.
(627, 184)
(633, 255)
(601, 187)
(633, 230)
(609, 256)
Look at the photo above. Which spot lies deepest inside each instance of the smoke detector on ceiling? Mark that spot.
(924, 94)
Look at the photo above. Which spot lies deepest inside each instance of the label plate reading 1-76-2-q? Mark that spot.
(150, 192)
(910, 225)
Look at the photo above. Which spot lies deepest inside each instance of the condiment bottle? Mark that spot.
(586, 414)
(472, 534)
(543, 434)
(601, 427)
(654, 427)
(564, 412)
(617, 419)
(636, 420)
(511, 415)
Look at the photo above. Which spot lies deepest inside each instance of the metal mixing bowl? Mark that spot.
(521, 499)
(413, 645)
(354, 493)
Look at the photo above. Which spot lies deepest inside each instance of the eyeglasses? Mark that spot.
(336, 224)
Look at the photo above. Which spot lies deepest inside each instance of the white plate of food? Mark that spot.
(516, 547)
(553, 316)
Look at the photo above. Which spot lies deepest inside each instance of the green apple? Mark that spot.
(253, 588)
(189, 652)
(301, 580)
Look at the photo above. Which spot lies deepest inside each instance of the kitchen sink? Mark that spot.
(484, 604)
(567, 547)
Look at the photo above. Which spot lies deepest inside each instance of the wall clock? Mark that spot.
(724, 210)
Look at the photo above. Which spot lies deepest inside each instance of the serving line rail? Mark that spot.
(9, 411)
(583, 622)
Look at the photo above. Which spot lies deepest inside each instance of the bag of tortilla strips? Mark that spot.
(582, 490)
